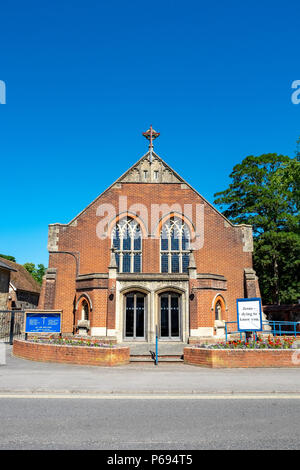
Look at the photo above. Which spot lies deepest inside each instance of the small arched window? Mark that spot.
(84, 310)
(127, 242)
(174, 246)
(218, 311)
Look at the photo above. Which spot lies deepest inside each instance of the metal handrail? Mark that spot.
(274, 328)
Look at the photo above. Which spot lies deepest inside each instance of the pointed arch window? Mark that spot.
(127, 242)
(174, 246)
(84, 310)
(218, 310)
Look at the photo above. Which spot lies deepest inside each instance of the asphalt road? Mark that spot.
(154, 423)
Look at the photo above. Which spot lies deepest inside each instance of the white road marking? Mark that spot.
(55, 396)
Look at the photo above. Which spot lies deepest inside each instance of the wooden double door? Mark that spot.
(169, 316)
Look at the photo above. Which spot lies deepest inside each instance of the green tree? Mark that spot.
(36, 272)
(277, 263)
(264, 192)
(8, 257)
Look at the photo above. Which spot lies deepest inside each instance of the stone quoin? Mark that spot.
(148, 252)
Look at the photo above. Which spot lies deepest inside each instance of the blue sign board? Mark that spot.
(43, 322)
(249, 314)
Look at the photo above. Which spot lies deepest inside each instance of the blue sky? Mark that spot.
(85, 79)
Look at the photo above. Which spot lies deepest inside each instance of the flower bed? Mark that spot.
(272, 352)
(93, 343)
(71, 339)
(60, 351)
(277, 342)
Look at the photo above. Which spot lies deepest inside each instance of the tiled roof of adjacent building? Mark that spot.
(20, 278)
(5, 266)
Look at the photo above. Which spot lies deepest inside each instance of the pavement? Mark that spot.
(23, 376)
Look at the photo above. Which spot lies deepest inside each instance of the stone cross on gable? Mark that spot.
(151, 135)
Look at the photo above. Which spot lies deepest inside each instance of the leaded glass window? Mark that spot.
(127, 242)
(174, 246)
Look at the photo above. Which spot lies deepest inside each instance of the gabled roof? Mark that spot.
(168, 175)
(21, 278)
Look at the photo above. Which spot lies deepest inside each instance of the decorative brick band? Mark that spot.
(67, 354)
(230, 358)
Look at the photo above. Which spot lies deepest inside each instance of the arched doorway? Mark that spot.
(135, 316)
(170, 316)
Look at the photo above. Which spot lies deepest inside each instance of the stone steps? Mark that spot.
(161, 358)
(167, 352)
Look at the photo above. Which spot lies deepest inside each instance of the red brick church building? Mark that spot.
(148, 252)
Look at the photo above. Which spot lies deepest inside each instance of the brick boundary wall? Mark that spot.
(67, 354)
(224, 358)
